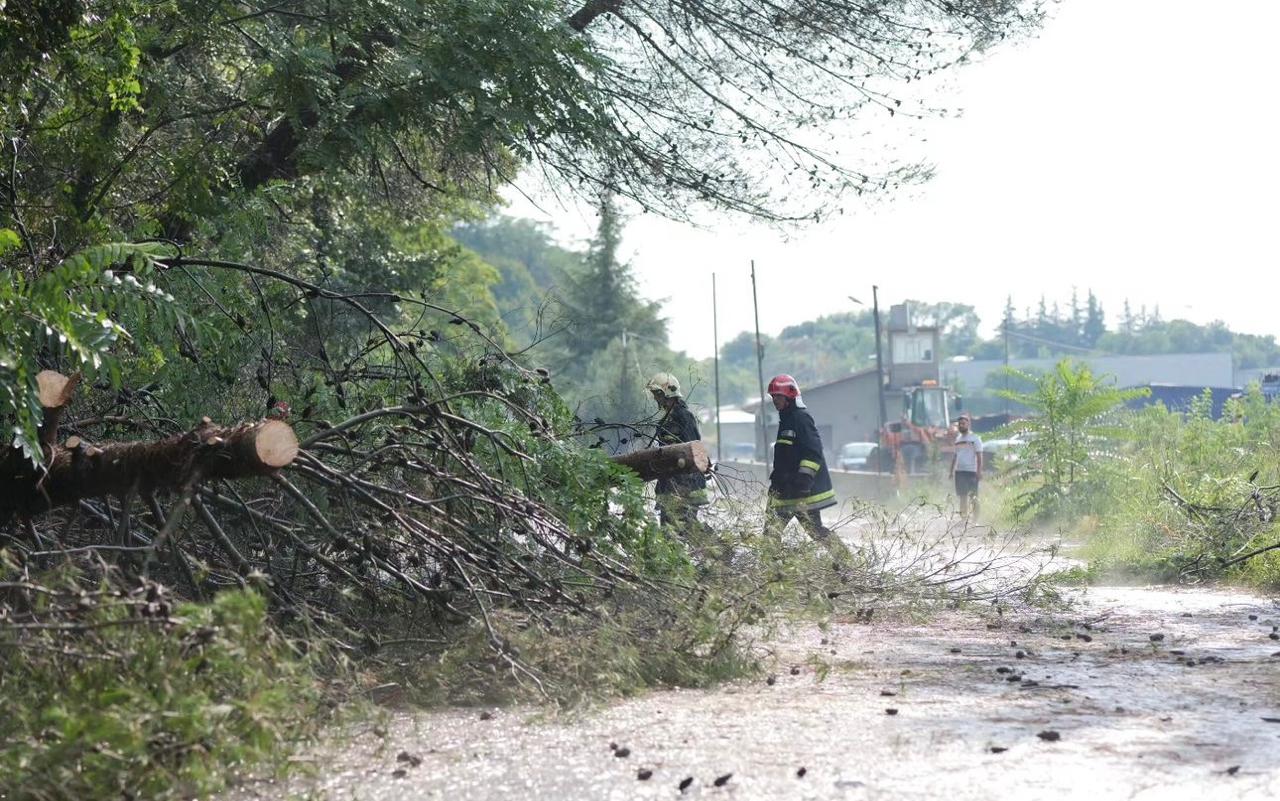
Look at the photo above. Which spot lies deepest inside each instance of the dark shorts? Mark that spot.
(966, 483)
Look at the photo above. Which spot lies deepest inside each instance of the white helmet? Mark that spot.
(665, 383)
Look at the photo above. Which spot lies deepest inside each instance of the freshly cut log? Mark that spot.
(55, 391)
(669, 460)
(81, 470)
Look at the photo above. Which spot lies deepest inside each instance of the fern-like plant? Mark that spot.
(68, 313)
(1068, 432)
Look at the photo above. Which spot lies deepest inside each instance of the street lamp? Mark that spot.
(875, 316)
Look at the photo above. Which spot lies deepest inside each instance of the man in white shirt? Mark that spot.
(966, 466)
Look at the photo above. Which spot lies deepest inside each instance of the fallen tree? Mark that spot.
(466, 505)
(79, 470)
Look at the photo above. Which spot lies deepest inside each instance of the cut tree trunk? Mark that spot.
(55, 391)
(79, 470)
(669, 460)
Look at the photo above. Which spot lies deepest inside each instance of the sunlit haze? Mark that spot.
(1129, 149)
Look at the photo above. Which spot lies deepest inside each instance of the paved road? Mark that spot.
(1180, 716)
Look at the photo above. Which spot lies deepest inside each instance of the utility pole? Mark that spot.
(1006, 365)
(624, 403)
(875, 314)
(715, 334)
(884, 417)
(764, 421)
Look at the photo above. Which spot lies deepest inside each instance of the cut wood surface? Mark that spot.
(669, 460)
(55, 391)
(79, 469)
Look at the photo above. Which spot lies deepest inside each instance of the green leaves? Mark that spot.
(68, 316)
(9, 240)
(1066, 435)
(146, 708)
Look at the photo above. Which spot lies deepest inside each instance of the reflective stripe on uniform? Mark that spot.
(783, 503)
(782, 441)
(809, 466)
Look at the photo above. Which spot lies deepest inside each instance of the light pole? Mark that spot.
(764, 420)
(875, 313)
(715, 333)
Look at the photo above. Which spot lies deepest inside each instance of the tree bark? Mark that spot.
(276, 156)
(79, 470)
(669, 460)
(584, 16)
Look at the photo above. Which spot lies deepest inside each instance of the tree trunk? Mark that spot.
(584, 16)
(80, 470)
(669, 460)
(55, 391)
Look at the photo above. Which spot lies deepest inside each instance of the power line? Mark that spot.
(1062, 345)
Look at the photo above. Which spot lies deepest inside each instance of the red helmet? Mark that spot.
(784, 385)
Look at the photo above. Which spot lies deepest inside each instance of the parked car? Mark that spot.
(853, 455)
(740, 452)
(998, 453)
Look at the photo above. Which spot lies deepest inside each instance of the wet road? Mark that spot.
(1137, 693)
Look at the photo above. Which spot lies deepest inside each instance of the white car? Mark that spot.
(853, 455)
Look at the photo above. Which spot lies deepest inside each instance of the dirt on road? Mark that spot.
(1136, 693)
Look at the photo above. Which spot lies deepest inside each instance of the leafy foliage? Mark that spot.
(590, 327)
(70, 312)
(533, 271)
(1194, 495)
(303, 164)
(106, 694)
(1070, 431)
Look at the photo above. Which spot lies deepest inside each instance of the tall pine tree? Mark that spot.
(1128, 324)
(1094, 322)
(615, 334)
(1076, 332)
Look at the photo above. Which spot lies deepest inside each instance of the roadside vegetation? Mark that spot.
(223, 218)
(1150, 494)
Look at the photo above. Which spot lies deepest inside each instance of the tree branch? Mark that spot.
(584, 16)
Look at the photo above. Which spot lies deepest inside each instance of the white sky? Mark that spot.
(1131, 148)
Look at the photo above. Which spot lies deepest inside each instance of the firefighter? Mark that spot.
(800, 484)
(678, 496)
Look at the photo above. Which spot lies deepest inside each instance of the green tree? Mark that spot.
(1077, 321)
(613, 333)
(1069, 431)
(1128, 323)
(316, 136)
(533, 271)
(1094, 322)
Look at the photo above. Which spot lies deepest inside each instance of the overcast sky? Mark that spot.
(1131, 148)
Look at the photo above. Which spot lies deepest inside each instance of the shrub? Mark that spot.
(116, 695)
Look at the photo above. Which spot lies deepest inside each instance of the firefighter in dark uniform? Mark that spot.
(800, 484)
(678, 496)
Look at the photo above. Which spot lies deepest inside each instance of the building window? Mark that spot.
(912, 348)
